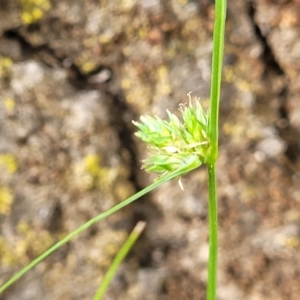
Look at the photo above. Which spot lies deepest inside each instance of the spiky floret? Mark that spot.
(175, 144)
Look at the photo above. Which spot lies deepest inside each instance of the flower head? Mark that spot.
(175, 144)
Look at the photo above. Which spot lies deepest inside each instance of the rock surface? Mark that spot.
(73, 74)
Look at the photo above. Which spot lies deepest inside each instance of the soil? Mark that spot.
(73, 74)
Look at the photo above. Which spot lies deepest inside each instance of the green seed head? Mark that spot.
(175, 144)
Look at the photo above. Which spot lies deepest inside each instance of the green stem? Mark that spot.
(213, 233)
(119, 258)
(216, 76)
(213, 133)
(85, 226)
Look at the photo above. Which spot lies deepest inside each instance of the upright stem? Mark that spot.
(216, 75)
(213, 233)
(213, 133)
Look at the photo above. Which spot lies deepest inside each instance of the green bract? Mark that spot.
(175, 144)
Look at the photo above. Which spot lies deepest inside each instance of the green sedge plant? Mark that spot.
(176, 148)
